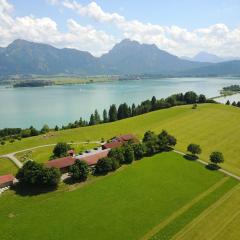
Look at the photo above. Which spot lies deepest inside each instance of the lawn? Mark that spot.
(43, 154)
(127, 204)
(6, 166)
(213, 126)
(221, 221)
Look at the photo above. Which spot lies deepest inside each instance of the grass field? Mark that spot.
(220, 221)
(213, 126)
(6, 166)
(43, 154)
(128, 204)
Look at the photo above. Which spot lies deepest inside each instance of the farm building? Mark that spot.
(6, 180)
(64, 163)
(119, 141)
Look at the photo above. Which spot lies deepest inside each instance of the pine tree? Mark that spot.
(112, 113)
(105, 116)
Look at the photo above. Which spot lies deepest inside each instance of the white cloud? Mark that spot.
(218, 38)
(46, 30)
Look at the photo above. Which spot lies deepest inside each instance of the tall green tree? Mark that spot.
(190, 97)
(105, 116)
(194, 149)
(97, 117)
(112, 113)
(61, 149)
(216, 157)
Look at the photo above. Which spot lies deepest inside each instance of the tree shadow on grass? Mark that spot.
(190, 157)
(212, 167)
(24, 190)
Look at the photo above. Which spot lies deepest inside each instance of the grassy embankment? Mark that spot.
(171, 189)
(213, 126)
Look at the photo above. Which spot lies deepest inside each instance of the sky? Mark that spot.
(183, 28)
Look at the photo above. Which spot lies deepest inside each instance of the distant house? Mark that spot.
(119, 141)
(64, 163)
(6, 180)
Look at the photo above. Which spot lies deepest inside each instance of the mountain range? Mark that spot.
(208, 57)
(127, 57)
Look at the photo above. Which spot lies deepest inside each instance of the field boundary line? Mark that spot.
(205, 213)
(183, 209)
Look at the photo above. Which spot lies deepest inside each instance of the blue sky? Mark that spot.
(181, 27)
(185, 13)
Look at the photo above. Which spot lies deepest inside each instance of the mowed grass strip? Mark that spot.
(7, 166)
(180, 211)
(220, 221)
(186, 217)
(214, 126)
(123, 205)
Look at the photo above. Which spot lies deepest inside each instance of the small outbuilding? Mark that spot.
(6, 180)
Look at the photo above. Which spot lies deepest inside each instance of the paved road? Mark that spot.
(12, 157)
(205, 163)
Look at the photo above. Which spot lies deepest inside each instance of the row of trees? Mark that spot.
(234, 103)
(126, 154)
(125, 111)
(113, 114)
(151, 144)
(215, 157)
(13, 134)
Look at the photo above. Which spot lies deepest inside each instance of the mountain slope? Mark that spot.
(126, 57)
(231, 68)
(23, 57)
(131, 57)
(208, 57)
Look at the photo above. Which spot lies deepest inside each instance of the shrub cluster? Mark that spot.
(35, 174)
(126, 154)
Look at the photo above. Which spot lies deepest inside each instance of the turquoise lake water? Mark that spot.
(23, 107)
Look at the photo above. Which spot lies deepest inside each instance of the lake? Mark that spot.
(23, 107)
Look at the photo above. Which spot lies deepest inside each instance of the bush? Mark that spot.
(128, 154)
(79, 171)
(36, 174)
(139, 150)
(117, 153)
(61, 149)
(2, 143)
(105, 165)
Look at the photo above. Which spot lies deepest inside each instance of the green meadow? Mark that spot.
(139, 201)
(7, 167)
(214, 126)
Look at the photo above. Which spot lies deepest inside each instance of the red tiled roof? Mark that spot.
(6, 178)
(93, 159)
(61, 162)
(127, 137)
(112, 145)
